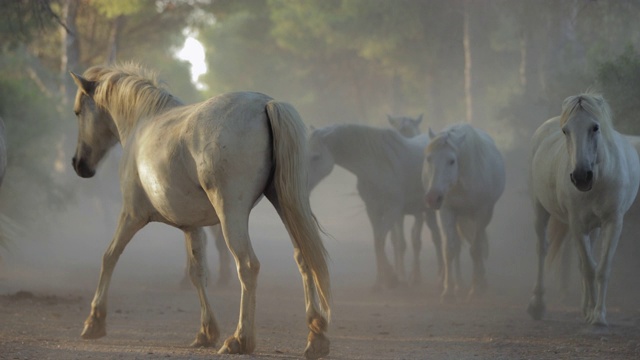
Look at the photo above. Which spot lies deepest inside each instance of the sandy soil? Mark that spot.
(158, 320)
(47, 282)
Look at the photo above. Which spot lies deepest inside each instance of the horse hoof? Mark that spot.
(94, 329)
(204, 340)
(234, 345)
(317, 346)
(536, 309)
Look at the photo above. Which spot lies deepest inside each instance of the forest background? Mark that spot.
(502, 65)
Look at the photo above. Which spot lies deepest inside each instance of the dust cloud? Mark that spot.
(64, 253)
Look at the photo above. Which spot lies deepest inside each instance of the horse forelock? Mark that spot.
(592, 104)
(128, 90)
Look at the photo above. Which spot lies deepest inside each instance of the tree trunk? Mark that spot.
(114, 37)
(466, 43)
(70, 58)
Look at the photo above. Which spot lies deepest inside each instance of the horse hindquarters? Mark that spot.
(290, 195)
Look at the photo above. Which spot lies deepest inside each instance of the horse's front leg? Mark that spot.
(587, 268)
(610, 236)
(431, 218)
(198, 271)
(234, 228)
(416, 242)
(95, 326)
(451, 249)
(537, 307)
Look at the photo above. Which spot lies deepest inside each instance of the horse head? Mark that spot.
(440, 169)
(405, 125)
(581, 127)
(320, 160)
(95, 129)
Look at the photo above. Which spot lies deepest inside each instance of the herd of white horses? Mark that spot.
(208, 164)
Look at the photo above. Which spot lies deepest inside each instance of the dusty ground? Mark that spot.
(47, 282)
(156, 320)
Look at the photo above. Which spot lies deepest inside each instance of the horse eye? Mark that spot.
(564, 131)
(596, 128)
(452, 161)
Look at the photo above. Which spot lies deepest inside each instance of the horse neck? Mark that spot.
(360, 156)
(126, 119)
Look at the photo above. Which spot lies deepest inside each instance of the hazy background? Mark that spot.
(504, 66)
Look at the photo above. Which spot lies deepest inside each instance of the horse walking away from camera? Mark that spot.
(584, 178)
(464, 176)
(197, 165)
(387, 168)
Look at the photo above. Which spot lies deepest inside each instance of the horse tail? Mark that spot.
(556, 233)
(290, 181)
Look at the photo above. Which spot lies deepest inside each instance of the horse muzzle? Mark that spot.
(434, 200)
(82, 169)
(582, 180)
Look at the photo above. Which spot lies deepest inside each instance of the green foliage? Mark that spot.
(618, 81)
(114, 8)
(33, 130)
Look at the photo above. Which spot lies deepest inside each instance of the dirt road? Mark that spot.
(156, 320)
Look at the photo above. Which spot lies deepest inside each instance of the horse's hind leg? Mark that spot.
(195, 242)
(478, 251)
(399, 247)
(224, 256)
(317, 343)
(234, 219)
(95, 326)
(381, 226)
(537, 307)
(186, 281)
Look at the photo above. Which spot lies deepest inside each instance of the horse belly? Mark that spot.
(175, 197)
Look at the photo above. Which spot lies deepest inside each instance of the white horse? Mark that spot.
(199, 165)
(386, 166)
(407, 126)
(224, 260)
(584, 177)
(464, 176)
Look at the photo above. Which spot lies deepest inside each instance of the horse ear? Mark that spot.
(431, 134)
(86, 86)
(418, 120)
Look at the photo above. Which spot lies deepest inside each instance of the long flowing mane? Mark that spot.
(129, 91)
(593, 104)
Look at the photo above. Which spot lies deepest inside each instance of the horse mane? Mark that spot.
(358, 141)
(129, 90)
(592, 103)
(471, 151)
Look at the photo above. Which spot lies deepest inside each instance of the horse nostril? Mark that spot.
(74, 161)
(589, 175)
